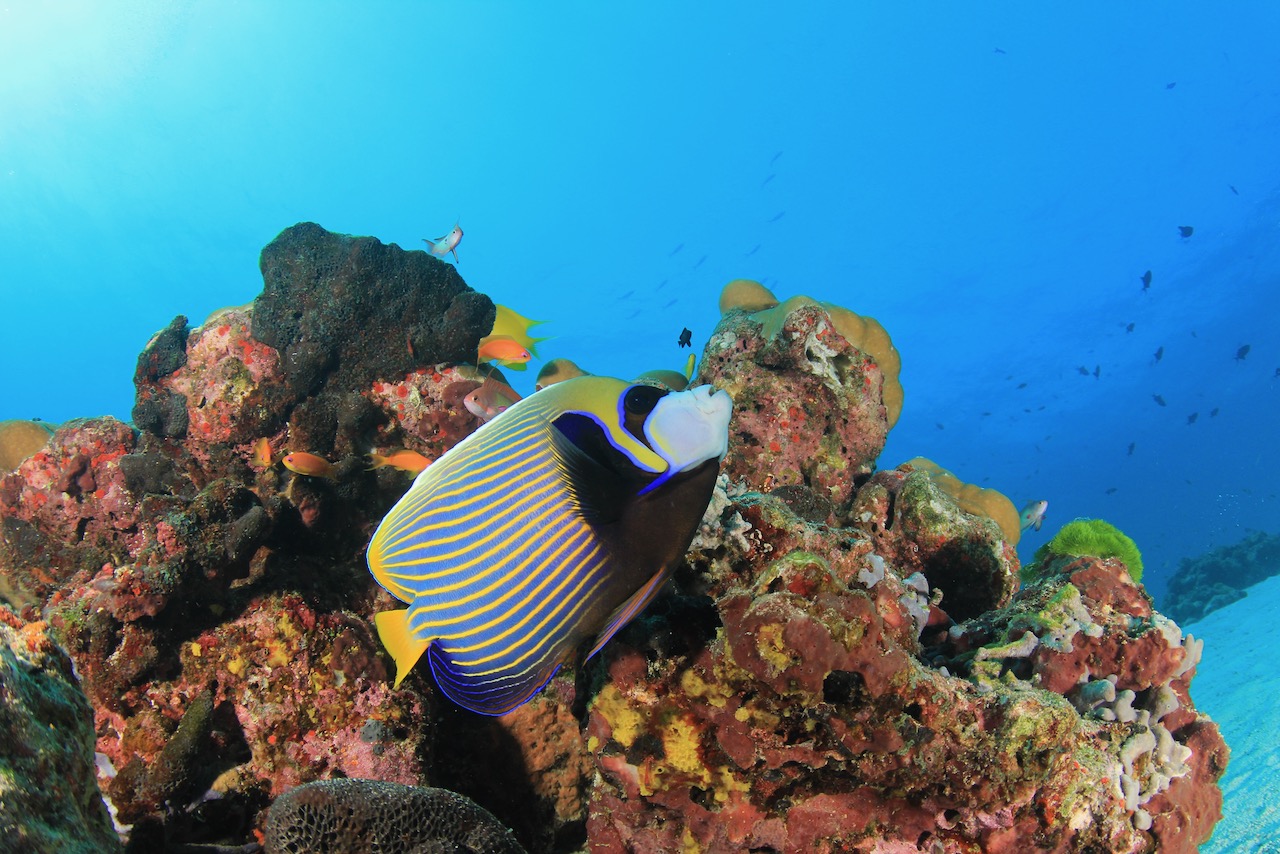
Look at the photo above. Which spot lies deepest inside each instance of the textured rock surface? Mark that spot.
(844, 664)
(49, 799)
(373, 817)
(807, 405)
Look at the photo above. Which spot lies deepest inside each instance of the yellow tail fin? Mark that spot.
(405, 649)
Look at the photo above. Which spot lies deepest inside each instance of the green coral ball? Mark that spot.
(1095, 538)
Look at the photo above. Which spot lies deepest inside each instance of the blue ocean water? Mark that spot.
(991, 183)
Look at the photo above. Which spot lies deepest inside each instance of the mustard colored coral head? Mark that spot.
(21, 439)
(1094, 538)
(746, 295)
(557, 371)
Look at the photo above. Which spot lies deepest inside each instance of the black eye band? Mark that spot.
(641, 399)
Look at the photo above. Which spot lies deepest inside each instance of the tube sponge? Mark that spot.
(1094, 538)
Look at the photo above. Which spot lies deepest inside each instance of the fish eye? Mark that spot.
(641, 399)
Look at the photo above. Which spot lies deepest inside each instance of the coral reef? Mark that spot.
(810, 408)
(1213, 580)
(1095, 538)
(845, 661)
(49, 799)
(369, 816)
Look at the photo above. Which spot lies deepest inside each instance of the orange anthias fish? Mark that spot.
(446, 244)
(504, 350)
(300, 462)
(509, 323)
(490, 400)
(262, 456)
(403, 459)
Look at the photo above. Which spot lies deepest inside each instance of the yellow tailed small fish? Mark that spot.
(445, 245)
(509, 323)
(544, 532)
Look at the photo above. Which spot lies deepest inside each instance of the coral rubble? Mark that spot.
(845, 662)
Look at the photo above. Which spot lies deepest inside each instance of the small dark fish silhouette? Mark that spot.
(1159, 353)
(1084, 372)
(1191, 419)
(1242, 352)
(1129, 328)
(1097, 371)
(1111, 491)
(672, 302)
(766, 180)
(753, 251)
(1171, 85)
(1022, 385)
(674, 251)
(624, 296)
(999, 50)
(1146, 281)
(661, 284)
(686, 337)
(1213, 413)
(985, 414)
(1186, 230)
(1233, 189)
(700, 260)
(775, 157)
(1277, 376)
(778, 216)
(940, 425)
(1159, 400)
(1132, 445)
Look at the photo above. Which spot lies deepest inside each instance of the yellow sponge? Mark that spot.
(21, 439)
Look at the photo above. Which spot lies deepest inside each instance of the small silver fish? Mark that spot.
(446, 244)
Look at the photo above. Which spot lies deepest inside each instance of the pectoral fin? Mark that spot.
(405, 649)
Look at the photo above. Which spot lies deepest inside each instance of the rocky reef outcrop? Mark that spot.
(845, 661)
(1215, 579)
(49, 797)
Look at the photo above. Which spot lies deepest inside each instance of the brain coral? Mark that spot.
(366, 816)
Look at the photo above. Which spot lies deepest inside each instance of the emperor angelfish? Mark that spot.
(554, 523)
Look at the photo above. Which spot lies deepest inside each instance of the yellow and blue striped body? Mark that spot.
(529, 537)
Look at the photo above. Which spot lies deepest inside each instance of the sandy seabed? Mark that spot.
(1238, 685)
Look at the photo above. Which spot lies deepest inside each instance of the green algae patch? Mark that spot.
(1090, 538)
